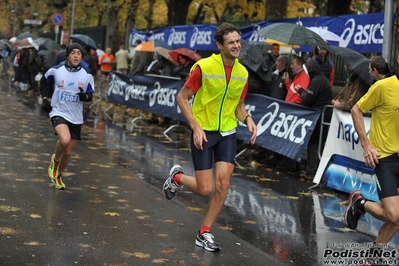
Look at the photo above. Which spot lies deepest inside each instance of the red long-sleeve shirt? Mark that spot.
(292, 95)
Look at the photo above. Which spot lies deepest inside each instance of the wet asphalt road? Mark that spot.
(113, 211)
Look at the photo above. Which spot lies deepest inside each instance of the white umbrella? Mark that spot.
(326, 34)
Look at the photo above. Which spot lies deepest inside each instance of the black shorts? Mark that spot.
(387, 172)
(73, 128)
(222, 148)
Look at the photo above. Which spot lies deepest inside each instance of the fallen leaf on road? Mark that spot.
(84, 245)
(160, 261)
(305, 193)
(345, 229)
(8, 208)
(96, 201)
(136, 254)
(7, 231)
(168, 221)
(292, 197)
(226, 228)
(167, 251)
(263, 179)
(344, 203)
(122, 200)
(269, 197)
(249, 222)
(34, 243)
(195, 209)
(328, 195)
(111, 213)
(33, 215)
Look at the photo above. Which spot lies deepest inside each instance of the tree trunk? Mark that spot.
(177, 11)
(112, 14)
(131, 20)
(276, 9)
(338, 8)
(150, 14)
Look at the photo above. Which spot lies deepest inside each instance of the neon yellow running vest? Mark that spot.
(215, 102)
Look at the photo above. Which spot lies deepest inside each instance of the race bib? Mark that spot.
(228, 132)
(67, 97)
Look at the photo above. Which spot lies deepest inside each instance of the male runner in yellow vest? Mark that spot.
(219, 84)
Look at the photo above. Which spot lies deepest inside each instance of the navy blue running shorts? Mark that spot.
(387, 172)
(73, 129)
(222, 148)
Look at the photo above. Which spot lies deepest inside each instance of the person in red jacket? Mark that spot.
(301, 78)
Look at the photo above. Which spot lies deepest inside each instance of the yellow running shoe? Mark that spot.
(53, 168)
(58, 183)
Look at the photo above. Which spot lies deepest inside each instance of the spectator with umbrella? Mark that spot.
(45, 59)
(184, 58)
(139, 61)
(354, 89)
(326, 65)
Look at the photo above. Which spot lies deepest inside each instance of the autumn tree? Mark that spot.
(177, 11)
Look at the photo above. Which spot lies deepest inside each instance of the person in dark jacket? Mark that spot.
(326, 65)
(90, 60)
(317, 96)
(45, 59)
(272, 57)
(354, 89)
(166, 66)
(277, 86)
(33, 69)
(60, 56)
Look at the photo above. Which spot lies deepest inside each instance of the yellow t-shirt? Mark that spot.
(383, 100)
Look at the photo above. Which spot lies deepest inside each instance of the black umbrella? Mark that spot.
(84, 39)
(48, 43)
(264, 46)
(26, 35)
(356, 61)
(250, 56)
(292, 34)
(5, 44)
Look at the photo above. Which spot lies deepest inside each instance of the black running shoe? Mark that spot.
(170, 187)
(206, 241)
(352, 213)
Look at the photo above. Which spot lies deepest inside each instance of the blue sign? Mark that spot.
(57, 19)
(362, 33)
